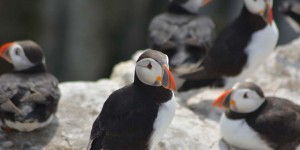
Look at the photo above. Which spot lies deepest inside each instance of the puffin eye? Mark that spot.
(149, 66)
(245, 95)
(17, 52)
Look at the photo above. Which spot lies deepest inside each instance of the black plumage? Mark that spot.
(183, 35)
(29, 95)
(127, 117)
(291, 9)
(227, 57)
(38, 90)
(261, 122)
(277, 122)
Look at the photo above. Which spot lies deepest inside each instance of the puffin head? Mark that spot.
(191, 5)
(22, 54)
(244, 97)
(152, 68)
(262, 8)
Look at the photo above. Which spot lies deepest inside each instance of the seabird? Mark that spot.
(136, 116)
(29, 94)
(238, 50)
(255, 122)
(182, 33)
(291, 9)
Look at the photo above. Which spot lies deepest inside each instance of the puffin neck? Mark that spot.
(177, 9)
(235, 115)
(39, 68)
(253, 20)
(157, 93)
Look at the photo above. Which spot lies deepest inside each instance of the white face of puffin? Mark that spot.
(245, 101)
(241, 100)
(193, 5)
(15, 54)
(150, 72)
(262, 8)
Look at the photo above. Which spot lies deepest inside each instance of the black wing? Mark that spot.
(122, 121)
(279, 123)
(9, 88)
(198, 31)
(201, 32)
(96, 137)
(40, 90)
(223, 59)
(292, 9)
(45, 93)
(227, 56)
(47, 86)
(161, 30)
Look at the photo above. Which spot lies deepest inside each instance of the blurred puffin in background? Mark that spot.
(182, 33)
(291, 9)
(136, 116)
(255, 122)
(238, 50)
(29, 94)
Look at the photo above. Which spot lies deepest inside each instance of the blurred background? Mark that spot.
(84, 39)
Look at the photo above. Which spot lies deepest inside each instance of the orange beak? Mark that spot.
(205, 2)
(219, 101)
(3, 50)
(269, 13)
(168, 81)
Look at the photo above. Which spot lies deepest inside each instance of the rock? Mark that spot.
(201, 103)
(280, 74)
(7, 144)
(188, 132)
(80, 104)
(123, 73)
(195, 125)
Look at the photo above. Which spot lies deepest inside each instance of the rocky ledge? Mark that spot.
(195, 126)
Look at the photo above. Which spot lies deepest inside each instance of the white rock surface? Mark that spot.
(280, 74)
(190, 130)
(80, 104)
(123, 73)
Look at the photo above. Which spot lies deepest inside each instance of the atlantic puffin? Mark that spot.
(255, 122)
(182, 32)
(291, 9)
(29, 94)
(136, 116)
(238, 50)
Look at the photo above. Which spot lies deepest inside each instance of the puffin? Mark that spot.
(255, 122)
(136, 116)
(182, 32)
(291, 9)
(238, 50)
(29, 94)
